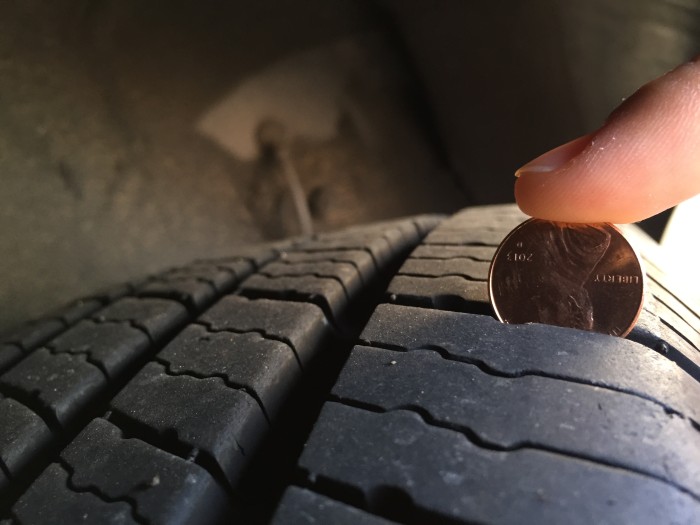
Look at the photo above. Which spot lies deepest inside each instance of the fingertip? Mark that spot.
(533, 197)
(643, 160)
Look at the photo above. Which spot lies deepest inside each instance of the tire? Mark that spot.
(353, 377)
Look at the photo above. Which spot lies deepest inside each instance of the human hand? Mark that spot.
(644, 159)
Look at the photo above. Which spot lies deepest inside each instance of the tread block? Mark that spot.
(112, 293)
(222, 277)
(398, 234)
(9, 355)
(63, 384)
(303, 326)
(50, 501)
(361, 260)
(477, 253)
(31, 335)
(203, 414)
(77, 310)
(472, 270)
(409, 235)
(651, 331)
(327, 292)
(408, 228)
(507, 413)
(444, 293)
(165, 488)
(249, 255)
(427, 223)
(303, 507)
(680, 326)
(265, 367)
(378, 247)
(22, 435)
(4, 485)
(194, 293)
(447, 476)
(344, 272)
(670, 283)
(158, 317)
(576, 355)
(477, 236)
(113, 345)
(502, 216)
(241, 268)
(673, 303)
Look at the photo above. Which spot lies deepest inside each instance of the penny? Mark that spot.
(584, 276)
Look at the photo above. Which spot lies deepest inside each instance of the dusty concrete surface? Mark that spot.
(108, 170)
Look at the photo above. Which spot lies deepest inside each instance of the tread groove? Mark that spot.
(329, 260)
(457, 243)
(5, 471)
(308, 274)
(473, 437)
(262, 333)
(376, 502)
(472, 258)
(488, 369)
(131, 322)
(170, 443)
(33, 403)
(678, 333)
(300, 249)
(85, 354)
(423, 276)
(294, 297)
(690, 324)
(234, 386)
(95, 491)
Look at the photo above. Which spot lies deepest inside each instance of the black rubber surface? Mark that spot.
(353, 377)
(443, 415)
(148, 406)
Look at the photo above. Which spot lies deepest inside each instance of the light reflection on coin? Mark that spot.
(575, 275)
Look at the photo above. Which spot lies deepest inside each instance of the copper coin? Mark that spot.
(583, 276)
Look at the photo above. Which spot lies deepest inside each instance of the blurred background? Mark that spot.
(135, 136)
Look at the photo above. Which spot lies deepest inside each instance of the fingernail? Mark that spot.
(556, 158)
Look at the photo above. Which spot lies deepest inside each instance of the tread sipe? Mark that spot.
(355, 377)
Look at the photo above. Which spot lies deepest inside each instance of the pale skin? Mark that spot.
(644, 159)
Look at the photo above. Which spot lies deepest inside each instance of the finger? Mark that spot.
(643, 160)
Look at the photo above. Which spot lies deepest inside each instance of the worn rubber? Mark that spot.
(351, 377)
(443, 415)
(146, 403)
